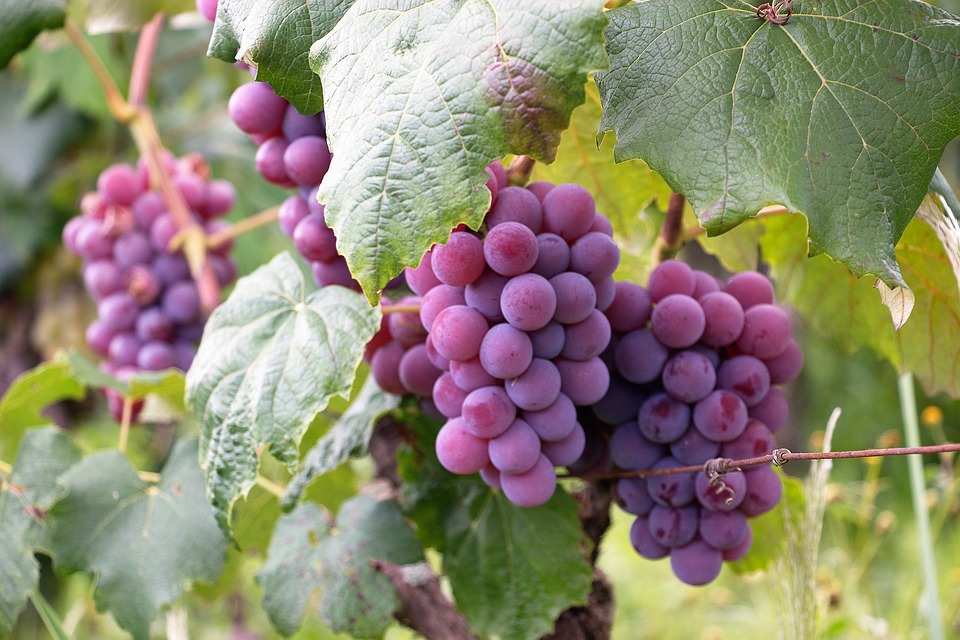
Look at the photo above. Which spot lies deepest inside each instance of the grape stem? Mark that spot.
(518, 173)
(126, 417)
(268, 216)
(671, 236)
(139, 120)
(778, 457)
(399, 308)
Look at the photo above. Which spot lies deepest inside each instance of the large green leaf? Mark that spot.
(310, 552)
(143, 541)
(109, 16)
(22, 20)
(421, 95)
(841, 114)
(31, 393)
(270, 359)
(168, 384)
(25, 497)
(275, 37)
(347, 438)
(512, 570)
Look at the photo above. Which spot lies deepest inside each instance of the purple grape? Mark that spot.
(436, 358)
(93, 242)
(471, 375)
(458, 332)
(639, 356)
(630, 309)
(772, 411)
(723, 318)
(99, 335)
(673, 527)
(436, 300)
(155, 356)
(696, 563)
(585, 382)
(764, 490)
(221, 196)
(296, 125)
(123, 349)
(723, 529)
(587, 339)
(460, 261)
(516, 204)
(417, 373)
(458, 450)
(725, 494)
(119, 184)
(118, 311)
(448, 396)
(528, 302)
(162, 231)
(555, 422)
(536, 388)
(170, 268)
(677, 321)
(786, 366)
(148, 206)
(766, 331)
(327, 274)
(548, 341)
(256, 109)
(576, 297)
(756, 440)
(567, 451)
(421, 279)
(183, 354)
(181, 302)
(746, 376)
(515, 450)
(506, 352)
(662, 418)
(621, 402)
(595, 255)
(568, 211)
(606, 292)
(739, 551)
(671, 277)
(224, 269)
(602, 225)
(510, 249)
(269, 161)
(689, 376)
(153, 325)
(553, 255)
(306, 160)
(721, 416)
(630, 450)
(484, 294)
(705, 283)
(292, 211)
(540, 189)
(531, 488)
(694, 448)
(491, 475)
(314, 240)
(385, 368)
(208, 9)
(101, 278)
(193, 189)
(632, 496)
(750, 288)
(406, 328)
(643, 541)
(674, 490)
(488, 411)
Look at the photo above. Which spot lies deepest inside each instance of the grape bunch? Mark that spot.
(293, 153)
(514, 331)
(148, 308)
(694, 363)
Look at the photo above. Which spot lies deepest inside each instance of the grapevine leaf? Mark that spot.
(420, 98)
(168, 383)
(309, 552)
(842, 113)
(113, 524)
(31, 393)
(275, 37)
(111, 16)
(512, 569)
(22, 20)
(25, 497)
(347, 438)
(270, 359)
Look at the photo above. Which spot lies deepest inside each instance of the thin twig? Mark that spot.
(126, 417)
(399, 308)
(256, 221)
(143, 60)
(671, 236)
(778, 457)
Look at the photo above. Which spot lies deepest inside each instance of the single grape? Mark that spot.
(630, 450)
(460, 261)
(269, 161)
(314, 240)
(152, 324)
(132, 248)
(662, 418)
(671, 277)
(723, 318)
(448, 396)
(576, 297)
(632, 496)
(673, 527)
(764, 490)
(181, 302)
(726, 493)
(756, 440)
(436, 300)
(677, 321)
(306, 160)
(723, 530)
(621, 402)
(585, 382)
(750, 288)
(458, 332)
(506, 352)
(119, 184)
(155, 355)
(772, 411)
(531, 488)
(567, 451)
(630, 309)
(528, 302)
(515, 450)
(510, 249)
(675, 489)
(595, 255)
(694, 448)
(536, 388)
(256, 109)
(291, 212)
(644, 542)
(786, 366)
(586, 339)
(746, 376)
(484, 294)
(639, 356)
(458, 450)
(555, 422)
(689, 376)
(568, 211)
(553, 255)
(737, 552)
(721, 416)
(422, 279)
(417, 373)
(123, 349)
(516, 204)
(705, 283)
(488, 411)
(696, 563)
(101, 278)
(548, 341)
(118, 311)
(385, 368)
(471, 375)
(766, 331)
(296, 125)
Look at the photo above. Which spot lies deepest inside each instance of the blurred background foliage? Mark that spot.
(56, 135)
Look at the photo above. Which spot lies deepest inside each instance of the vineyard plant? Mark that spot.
(466, 319)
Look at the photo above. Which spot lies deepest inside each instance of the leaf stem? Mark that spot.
(149, 476)
(518, 173)
(49, 616)
(778, 458)
(247, 224)
(126, 417)
(918, 489)
(766, 212)
(399, 308)
(270, 486)
(143, 60)
(121, 110)
(671, 236)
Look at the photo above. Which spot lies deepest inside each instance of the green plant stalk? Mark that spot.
(911, 427)
(49, 616)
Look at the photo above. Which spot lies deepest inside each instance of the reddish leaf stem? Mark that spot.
(778, 457)
(143, 60)
(518, 173)
(265, 217)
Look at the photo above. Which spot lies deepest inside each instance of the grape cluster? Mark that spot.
(148, 307)
(514, 328)
(293, 153)
(694, 362)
